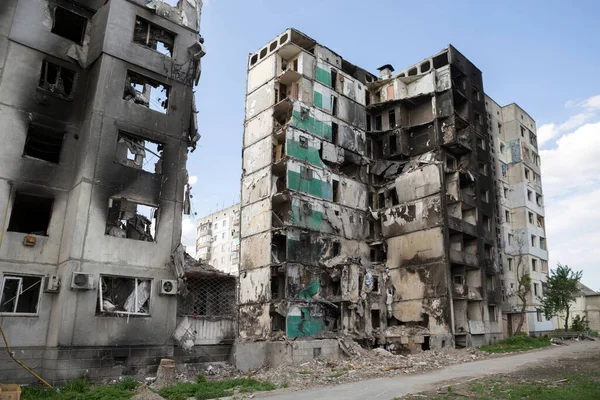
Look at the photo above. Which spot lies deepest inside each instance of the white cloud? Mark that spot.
(192, 180)
(188, 235)
(571, 178)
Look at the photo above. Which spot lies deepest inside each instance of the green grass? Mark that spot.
(305, 372)
(577, 386)
(517, 343)
(204, 390)
(81, 389)
(336, 375)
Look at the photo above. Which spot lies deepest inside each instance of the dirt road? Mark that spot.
(389, 388)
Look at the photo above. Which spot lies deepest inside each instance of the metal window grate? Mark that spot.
(208, 296)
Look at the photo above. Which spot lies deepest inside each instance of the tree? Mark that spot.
(561, 290)
(522, 277)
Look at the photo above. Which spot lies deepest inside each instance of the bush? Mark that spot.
(579, 324)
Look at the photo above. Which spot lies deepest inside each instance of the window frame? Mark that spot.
(102, 312)
(19, 277)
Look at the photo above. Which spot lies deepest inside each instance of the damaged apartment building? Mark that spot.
(98, 116)
(368, 206)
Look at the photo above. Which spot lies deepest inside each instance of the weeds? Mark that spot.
(520, 342)
(204, 390)
(80, 389)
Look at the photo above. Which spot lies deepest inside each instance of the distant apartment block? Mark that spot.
(218, 239)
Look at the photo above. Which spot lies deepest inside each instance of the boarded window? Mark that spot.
(20, 294)
(56, 79)
(153, 36)
(147, 92)
(69, 25)
(129, 220)
(136, 152)
(43, 143)
(118, 295)
(30, 214)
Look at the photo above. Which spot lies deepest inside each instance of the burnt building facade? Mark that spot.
(368, 205)
(98, 116)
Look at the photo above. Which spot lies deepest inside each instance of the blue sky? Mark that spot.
(543, 55)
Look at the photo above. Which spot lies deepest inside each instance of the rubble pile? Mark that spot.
(363, 364)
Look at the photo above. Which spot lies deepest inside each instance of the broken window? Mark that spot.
(483, 168)
(153, 36)
(475, 93)
(510, 264)
(378, 122)
(368, 123)
(375, 319)
(20, 294)
(129, 220)
(543, 243)
(502, 147)
(117, 295)
(393, 144)
(535, 289)
(522, 129)
(534, 264)
(458, 279)
(336, 190)
(493, 314)
(505, 192)
(146, 92)
(303, 142)
(43, 143)
(530, 215)
(392, 118)
(395, 200)
(334, 105)
(69, 25)
(56, 79)
(480, 142)
(381, 200)
(336, 250)
(306, 173)
(30, 214)
(334, 133)
(136, 152)
(507, 215)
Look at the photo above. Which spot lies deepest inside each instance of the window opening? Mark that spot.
(117, 295)
(153, 36)
(30, 214)
(381, 200)
(43, 143)
(375, 319)
(56, 79)
(69, 25)
(333, 78)
(395, 200)
(392, 118)
(336, 191)
(129, 220)
(378, 123)
(146, 92)
(136, 152)
(20, 294)
(334, 133)
(303, 142)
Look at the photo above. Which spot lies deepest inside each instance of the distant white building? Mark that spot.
(521, 228)
(218, 239)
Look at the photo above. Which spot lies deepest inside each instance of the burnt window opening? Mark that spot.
(118, 295)
(20, 294)
(304, 142)
(336, 191)
(30, 214)
(367, 98)
(393, 144)
(56, 79)
(69, 25)
(379, 148)
(487, 223)
(381, 200)
(334, 133)
(375, 284)
(368, 122)
(43, 143)
(425, 345)
(392, 118)
(139, 153)
(277, 287)
(154, 37)
(458, 280)
(336, 249)
(208, 297)
(336, 287)
(129, 220)
(378, 122)
(395, 200)
(333, 78)
(277, 322)
(375, 319)
(334, 105)
(146, 92)
(440, 60)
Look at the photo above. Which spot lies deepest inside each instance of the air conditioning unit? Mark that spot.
(82, 281)
(51, 284)
(168, 287)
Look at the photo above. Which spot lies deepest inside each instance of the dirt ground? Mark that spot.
(563, 378)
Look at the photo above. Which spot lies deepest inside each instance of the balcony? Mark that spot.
(463, 258)
(494, 296)
(466, 292)
(463, 197)
(456, 135)
(460, 225)
(490, 267)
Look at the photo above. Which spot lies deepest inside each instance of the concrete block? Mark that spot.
(249, 356)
